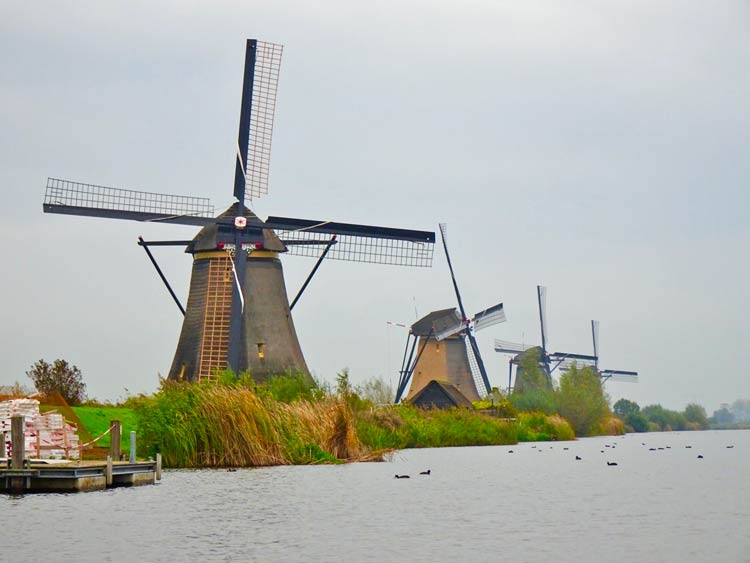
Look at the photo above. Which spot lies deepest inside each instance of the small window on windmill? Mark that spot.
(261, 351)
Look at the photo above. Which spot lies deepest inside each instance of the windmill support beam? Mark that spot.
(405, 365)
(145, 246)
(331, 242)
(416, 360)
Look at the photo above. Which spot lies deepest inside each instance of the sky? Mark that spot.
(599, 149)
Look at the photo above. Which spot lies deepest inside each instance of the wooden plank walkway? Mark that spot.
(74, 476)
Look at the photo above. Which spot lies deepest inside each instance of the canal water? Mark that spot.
(478, 504)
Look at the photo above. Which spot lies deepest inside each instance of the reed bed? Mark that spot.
(231, 426)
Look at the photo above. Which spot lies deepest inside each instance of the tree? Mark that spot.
(665, 419)
(741, 410)
(530, 377)
(696, 415)
(581, 399)
(637, 422)
(61, 377)
(723, 417)
(532, 391)
(376, 390)
(623, 408)
(17, 389)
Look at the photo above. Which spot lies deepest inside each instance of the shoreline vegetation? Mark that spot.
(234, 422)
(289, 420)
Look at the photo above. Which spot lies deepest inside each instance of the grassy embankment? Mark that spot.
(97, 421)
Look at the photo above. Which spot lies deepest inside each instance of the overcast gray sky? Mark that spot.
(597, 148)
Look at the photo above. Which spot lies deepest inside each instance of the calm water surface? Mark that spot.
(479, 504)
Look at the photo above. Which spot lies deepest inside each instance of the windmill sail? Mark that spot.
(476, 373)
(489, 317)
(260, 83)
(470, 336)
(508, 347)
(620, 375)
(447, 325)
(595, 336)
(76, 198)
(541, 292)
(356, 243)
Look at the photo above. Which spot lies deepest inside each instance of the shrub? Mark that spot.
(533, 427)
(609, 426)
(406, 426)
(538, 400)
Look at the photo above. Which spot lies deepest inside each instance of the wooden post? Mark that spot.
(132, 447)
(17, 442)
(66, 451)
(114, 448)
(108, 471)
(158, 467)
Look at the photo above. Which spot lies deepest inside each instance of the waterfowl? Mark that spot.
(700, 456)
(402, 477)
(425, 472)
(578, 458)
(610, 463)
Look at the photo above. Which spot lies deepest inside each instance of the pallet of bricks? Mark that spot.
(46, 436)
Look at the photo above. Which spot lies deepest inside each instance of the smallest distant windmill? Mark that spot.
(606, 374)
(548, 361)
(445, 346)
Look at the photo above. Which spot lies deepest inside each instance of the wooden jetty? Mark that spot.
(74, 476)
(20, 475)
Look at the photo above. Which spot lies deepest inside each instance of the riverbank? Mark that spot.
(242, 425)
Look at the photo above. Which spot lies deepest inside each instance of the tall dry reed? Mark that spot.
(231, 426)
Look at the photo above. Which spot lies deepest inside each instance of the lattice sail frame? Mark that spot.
(476, 374)
(508, 347)
(263, 108)
(372, 250)
(92, 196)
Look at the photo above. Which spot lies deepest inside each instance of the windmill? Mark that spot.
(238, 313)
(445, 346)
(606, 374)
(548, 361)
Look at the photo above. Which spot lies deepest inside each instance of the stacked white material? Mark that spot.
(46, 436)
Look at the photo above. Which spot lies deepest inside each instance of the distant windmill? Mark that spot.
(445, 346)
(606, 374)
(548, 361)
(238, 313)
